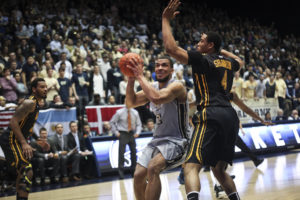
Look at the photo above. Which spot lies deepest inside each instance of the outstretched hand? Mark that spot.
(136, 66)
(267, 123)
(170, 11)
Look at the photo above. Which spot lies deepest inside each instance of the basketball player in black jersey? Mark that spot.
(216, 122)
(14, 140)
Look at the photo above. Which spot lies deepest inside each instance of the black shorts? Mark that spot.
(214, 136)
(12, 150)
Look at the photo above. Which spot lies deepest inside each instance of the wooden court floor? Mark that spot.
(277, 178)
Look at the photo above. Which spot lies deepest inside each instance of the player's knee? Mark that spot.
(153, 169)
(139, 175)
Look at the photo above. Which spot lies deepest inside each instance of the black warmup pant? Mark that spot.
(127, 138)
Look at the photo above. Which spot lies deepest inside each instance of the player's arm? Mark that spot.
(236, 100)
(134, 99)
(21, 112)
(169, 41)
(173, 91)
(231, 55)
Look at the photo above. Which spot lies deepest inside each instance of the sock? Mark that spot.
(234, 196)
(193, 195)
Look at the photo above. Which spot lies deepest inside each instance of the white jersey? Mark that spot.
(171, 118)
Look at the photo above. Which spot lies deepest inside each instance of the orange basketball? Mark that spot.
(124, 61)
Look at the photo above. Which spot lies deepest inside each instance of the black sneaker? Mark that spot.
(217, 190)
(258, 162)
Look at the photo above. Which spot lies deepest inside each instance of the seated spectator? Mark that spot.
(8, 86)
(96, 100)
(87, 132)
(294, 115)
(280, 115)
(106, 129)
(66, 157)
(268, 117)
(111, 100)
(45, 156)
(150, 126)
(76, 140)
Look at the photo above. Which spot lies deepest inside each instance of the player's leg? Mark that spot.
(24, 181)
(225, 180)
(156, 165)
(139, 182)
(192, 181)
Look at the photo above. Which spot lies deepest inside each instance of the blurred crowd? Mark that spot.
(76, 45)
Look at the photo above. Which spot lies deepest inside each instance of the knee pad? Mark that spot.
(26, 176)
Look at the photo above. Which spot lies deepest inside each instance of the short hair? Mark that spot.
(72, 122)
(214, 38)
(149, 120)
(58, 124)
(166, 57)
(42, 129)
(35, 82)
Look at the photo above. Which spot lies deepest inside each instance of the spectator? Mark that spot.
(45, 156)
(271, 87)
(268, 117)
(8, 86)
(250, 87)
(87, 132)
(294, 115)
(150, 125)
(27, 69)
(280, 115)
(96, 101)
(114, 77)
(237, 85)
(97, 83)
(21, 88)
(52, 85)
(280, 91)
(65, 85)
(66, 157)
(80, 89)
(68, 65)
(111, 100)
(261, 88)
(6, 106)
(76, 141)
(106, 129)
(58, 103)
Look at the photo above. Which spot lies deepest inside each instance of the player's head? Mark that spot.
(163, 69)
(39, 88)
(209, 43)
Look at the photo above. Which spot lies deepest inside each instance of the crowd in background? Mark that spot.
(76, 45)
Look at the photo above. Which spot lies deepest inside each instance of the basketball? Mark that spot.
(124, 61)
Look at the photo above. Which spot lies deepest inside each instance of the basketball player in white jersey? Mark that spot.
(168, 101)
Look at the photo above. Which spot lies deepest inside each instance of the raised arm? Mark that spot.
(169, 42)
(231, 55)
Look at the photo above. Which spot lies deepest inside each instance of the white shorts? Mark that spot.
(173, 153)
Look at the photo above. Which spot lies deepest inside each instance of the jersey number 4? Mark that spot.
(224, 80)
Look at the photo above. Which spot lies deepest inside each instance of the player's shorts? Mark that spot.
(173, 152)
(12, 150)
(214, 136)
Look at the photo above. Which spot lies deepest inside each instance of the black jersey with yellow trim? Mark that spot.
(27, 123)
(213, 77)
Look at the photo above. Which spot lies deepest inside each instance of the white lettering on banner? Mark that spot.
(277, 137)
(296, 134)
(258, 142)
(260, 106)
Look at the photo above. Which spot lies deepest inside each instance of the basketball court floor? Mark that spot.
(277, 178)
